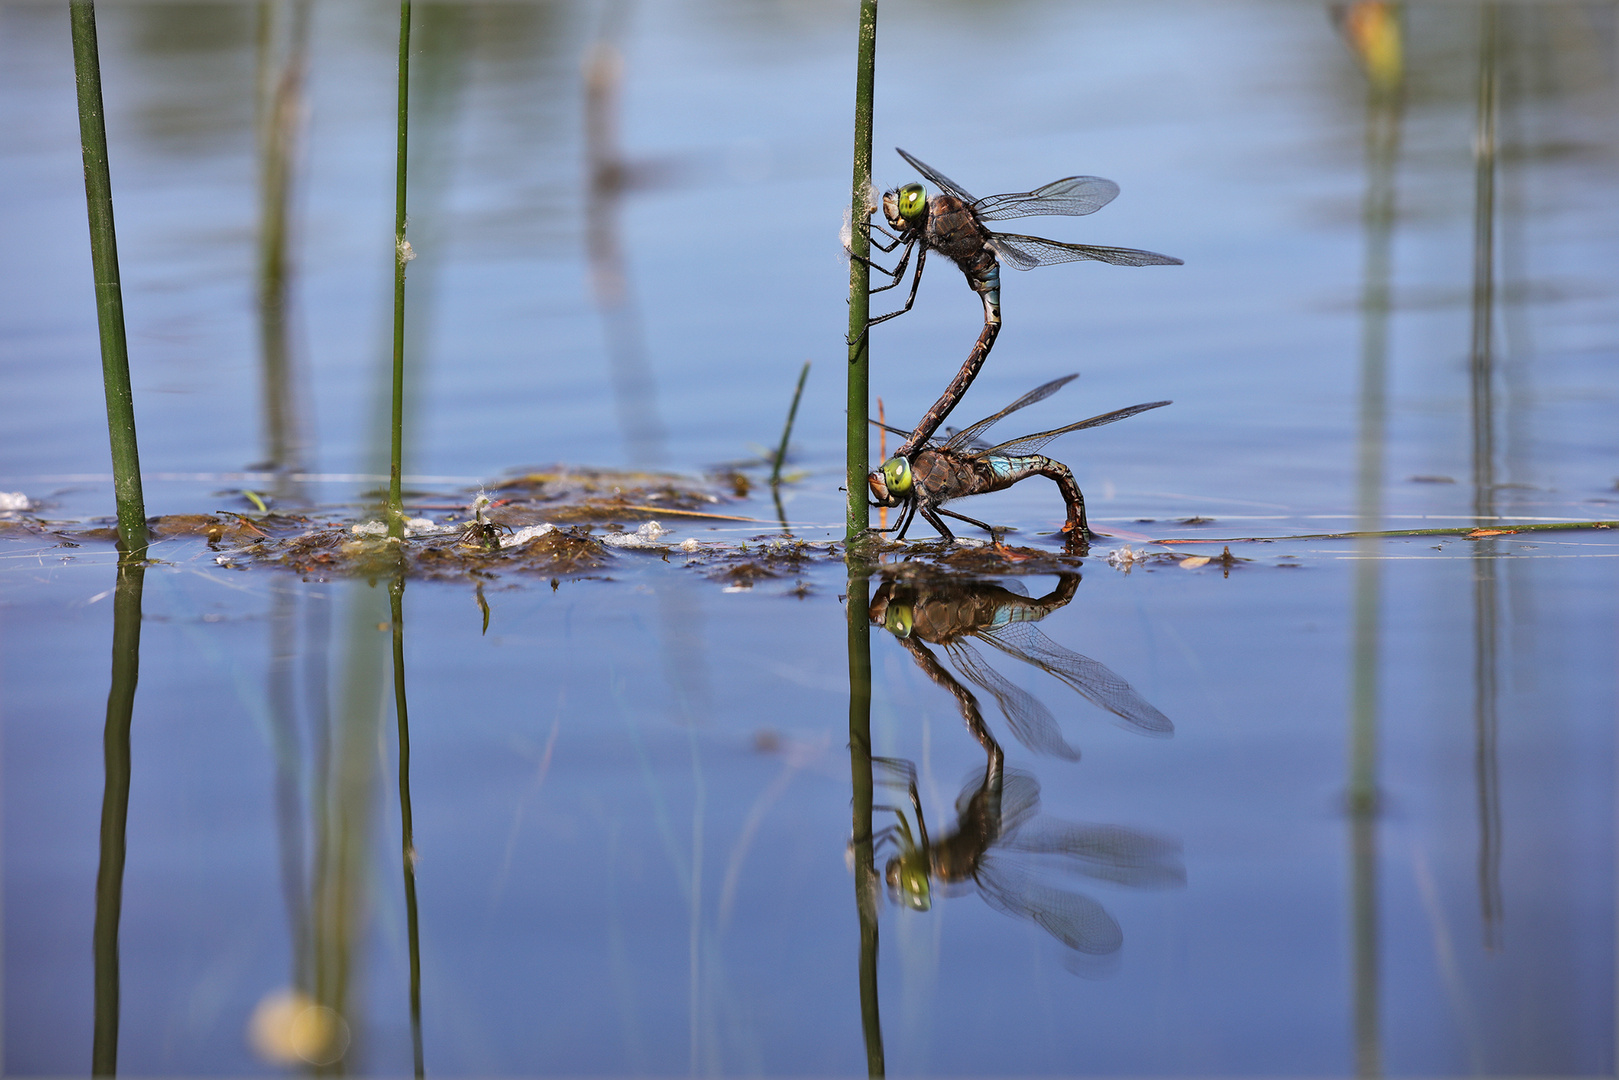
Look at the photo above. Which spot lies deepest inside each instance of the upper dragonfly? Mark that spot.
(952, 223)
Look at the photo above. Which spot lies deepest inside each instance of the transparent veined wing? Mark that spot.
(1108, 852)
(1092, 680)
(941, 181)
(1031, 444)
(1030, 721)
(1039, 393)
(1028, 252)
(1073, 196)
(1072, 918)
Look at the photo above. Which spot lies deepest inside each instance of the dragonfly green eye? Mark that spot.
(897, 475)
(908, 879)
(899, 620)
(912, 201)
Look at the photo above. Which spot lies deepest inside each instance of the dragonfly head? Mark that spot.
(905, 207)
(899, 620)
(907, 876)
(891, 484)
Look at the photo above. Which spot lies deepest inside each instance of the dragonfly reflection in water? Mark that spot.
(999, 845)
(952, 614)
(932, 473)
(1001, 848)
(952, 223)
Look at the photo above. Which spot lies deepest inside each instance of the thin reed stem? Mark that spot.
(786, 432)
(402, 255)
(126, 464)
(858, 449)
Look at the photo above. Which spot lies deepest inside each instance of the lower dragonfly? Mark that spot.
(952, 223)
(952, 614)
(1001, 849)
(930, 473)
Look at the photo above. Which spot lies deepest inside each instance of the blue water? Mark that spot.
(632, 795)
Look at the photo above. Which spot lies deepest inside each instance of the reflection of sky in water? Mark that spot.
(556, 904)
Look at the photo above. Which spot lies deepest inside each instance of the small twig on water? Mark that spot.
(1467, 532)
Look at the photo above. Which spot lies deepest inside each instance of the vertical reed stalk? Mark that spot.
(402, 255)
(858, 450)
(126, 667)
(126, 465)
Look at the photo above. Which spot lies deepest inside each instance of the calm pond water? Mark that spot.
(1333, 806)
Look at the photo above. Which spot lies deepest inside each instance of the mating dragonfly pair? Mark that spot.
(924, 473)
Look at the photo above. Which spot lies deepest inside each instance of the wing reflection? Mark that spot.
(1006, 851)
(952, 614)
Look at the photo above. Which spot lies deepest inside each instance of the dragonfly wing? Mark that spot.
(1040, 393)
(1031, 722)
(1031, 444)
(1109, 852)
(890, 428)
(1072, 918)
(940, 180)
(1074, 196)
(1027, 252)
(1092, 680)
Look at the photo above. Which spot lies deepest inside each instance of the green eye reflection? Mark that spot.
(912, 201)
(897, 475)
(899, 620)
(908, 877)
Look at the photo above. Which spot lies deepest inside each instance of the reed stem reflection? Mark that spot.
(861, 843)
(407, 834)
(283, 47)
(1482, 378)
(1374, 34)
(126, 663)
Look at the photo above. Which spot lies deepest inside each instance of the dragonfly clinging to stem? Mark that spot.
(929, 474)
(952, 223)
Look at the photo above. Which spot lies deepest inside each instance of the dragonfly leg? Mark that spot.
(938, 523)
(898, 273)
(992, 530)
(905, 517)
(868, 226)
(916, 283)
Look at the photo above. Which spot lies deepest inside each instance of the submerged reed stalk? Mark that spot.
(126, 464)
(402, 255)
(857, 443)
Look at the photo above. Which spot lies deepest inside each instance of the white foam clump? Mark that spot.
(1123, 558)
(525, 534)
(14, 500)
(644, 537)
(413, 527)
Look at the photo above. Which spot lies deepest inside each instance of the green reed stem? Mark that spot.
(126, 667)
(126, 464)
(402, 255)
(858, 450)
(787, 432)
